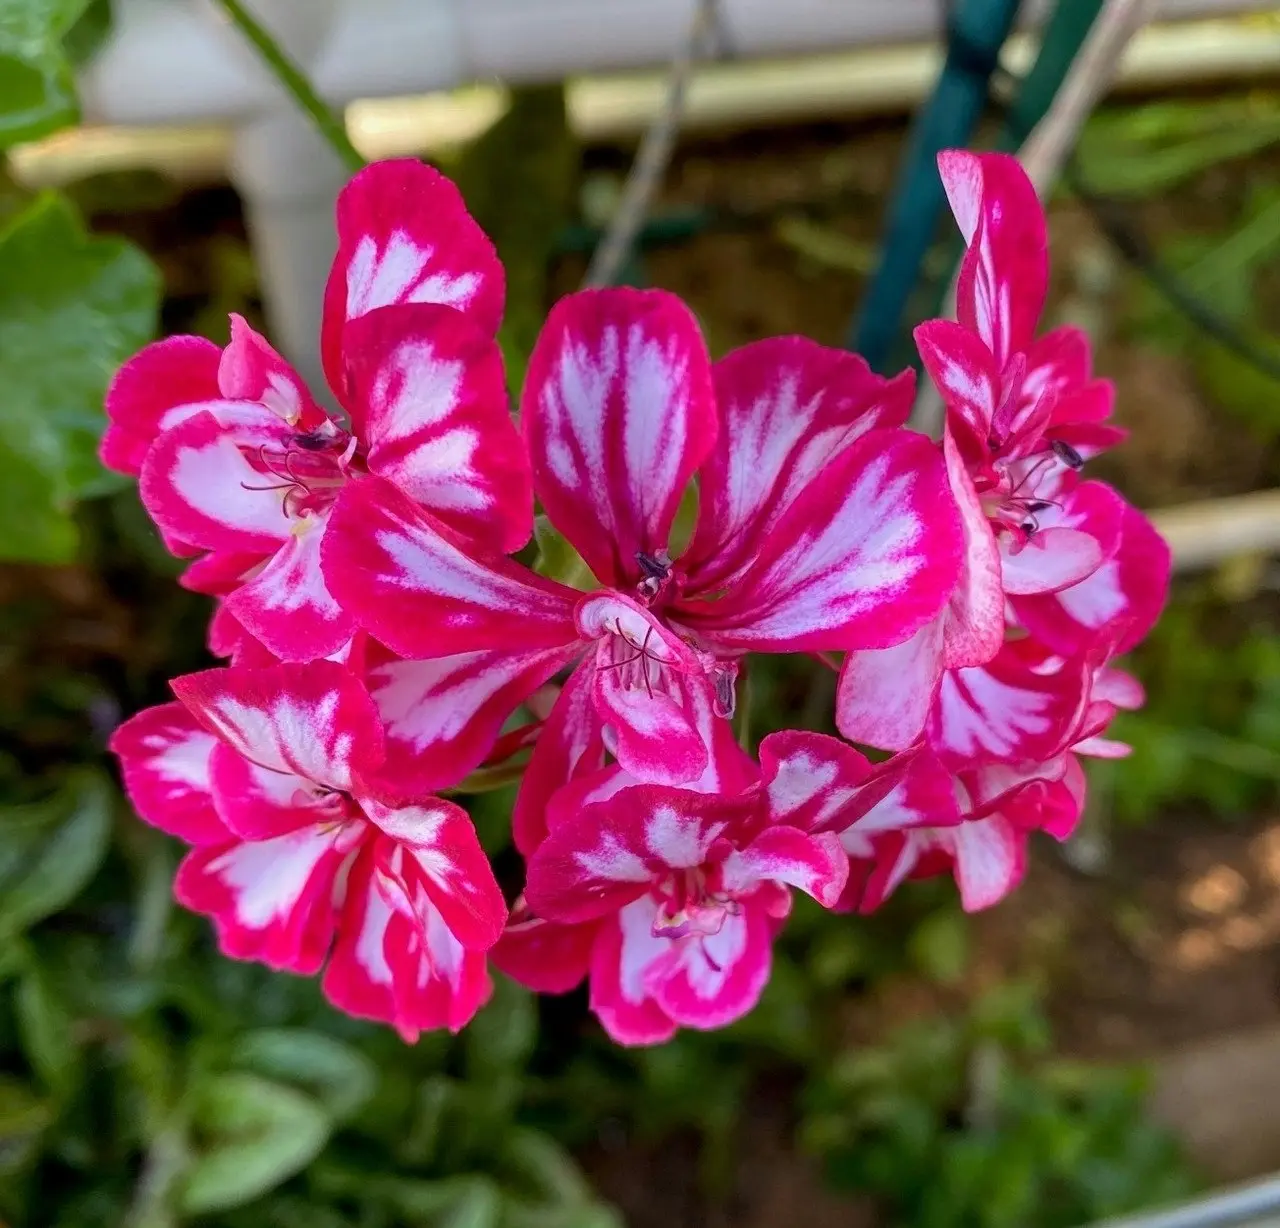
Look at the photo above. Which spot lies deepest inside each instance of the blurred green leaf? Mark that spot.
(939, 945)
(253, 1134)
(338, 1075)
(23, 1117)
(50, 850)
(72, 308)
(37, 87)
(1144, 150)
(501, 1037)
(45, 1026)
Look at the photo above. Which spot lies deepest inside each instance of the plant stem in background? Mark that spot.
(294, 80)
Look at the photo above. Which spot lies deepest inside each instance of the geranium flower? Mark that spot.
(236, 458)
(296, 862)
(821, 525)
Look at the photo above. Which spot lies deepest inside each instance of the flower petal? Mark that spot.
(259, 803)
(443, 716)
(221, 572)
(864, 558)
(569, 745)
(414, 585)
(315, 721)
(1007, 710)
(815, 864)
(990, 859)
(787, 406)
(271, 900)
(885, 695)
(968, 380)
(625, 949)
(410, 972)
(610, 852)
(287, 605)
(1003, 278)
(1122, 599)
(814, 783)
(711, 981)
(251, 370)
(200, 487)
(643, 674)
(163, 384)
(543, 955)
(618, 412)
(437, 857)
(405, 236)
(973, 622)
(427, 396)
(164, 759)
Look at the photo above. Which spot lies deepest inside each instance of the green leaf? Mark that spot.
(72, 308)
(50, 850)
(339, 1076)
(23, 1118)
(45, 1026)
(939, 945)
(539, 1162)
(256, 1134)
(501, 1037)
(557, 560)
(37, 87)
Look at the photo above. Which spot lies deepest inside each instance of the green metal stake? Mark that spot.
(977, 32)
(1064, 34)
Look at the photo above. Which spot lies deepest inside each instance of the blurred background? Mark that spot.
(1106, 1040)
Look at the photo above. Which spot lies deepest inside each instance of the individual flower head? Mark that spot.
(236, 458)
(822, 525)
(667, 899)
(1023, 416)
(264, 772)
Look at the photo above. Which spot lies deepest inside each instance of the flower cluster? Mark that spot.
(386, 638)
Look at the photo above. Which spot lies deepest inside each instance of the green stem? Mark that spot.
(294, 80)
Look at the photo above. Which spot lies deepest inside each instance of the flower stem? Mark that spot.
(294, 80)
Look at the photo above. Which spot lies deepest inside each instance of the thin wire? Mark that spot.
(654, 153)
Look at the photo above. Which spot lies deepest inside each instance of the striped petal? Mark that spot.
(414, 585)
(864, 558)
(405, 236)
(164, 758)
(427, 396)
(618, 412)
(787, 406)
(314, 721)
(272, 901)
(443, 716)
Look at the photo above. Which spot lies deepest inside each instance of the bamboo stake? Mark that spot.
(1202, 534)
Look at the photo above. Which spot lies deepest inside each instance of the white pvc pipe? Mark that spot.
(178, 61)
(181, 61)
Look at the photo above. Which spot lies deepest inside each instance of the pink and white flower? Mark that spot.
(684, 891)
(263, 772)
(822, 525)
(237, 459)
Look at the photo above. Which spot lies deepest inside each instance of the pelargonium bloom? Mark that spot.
(822, 525)
(263, 771)
(236, 458)
(1022, 416)
(668, 899)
